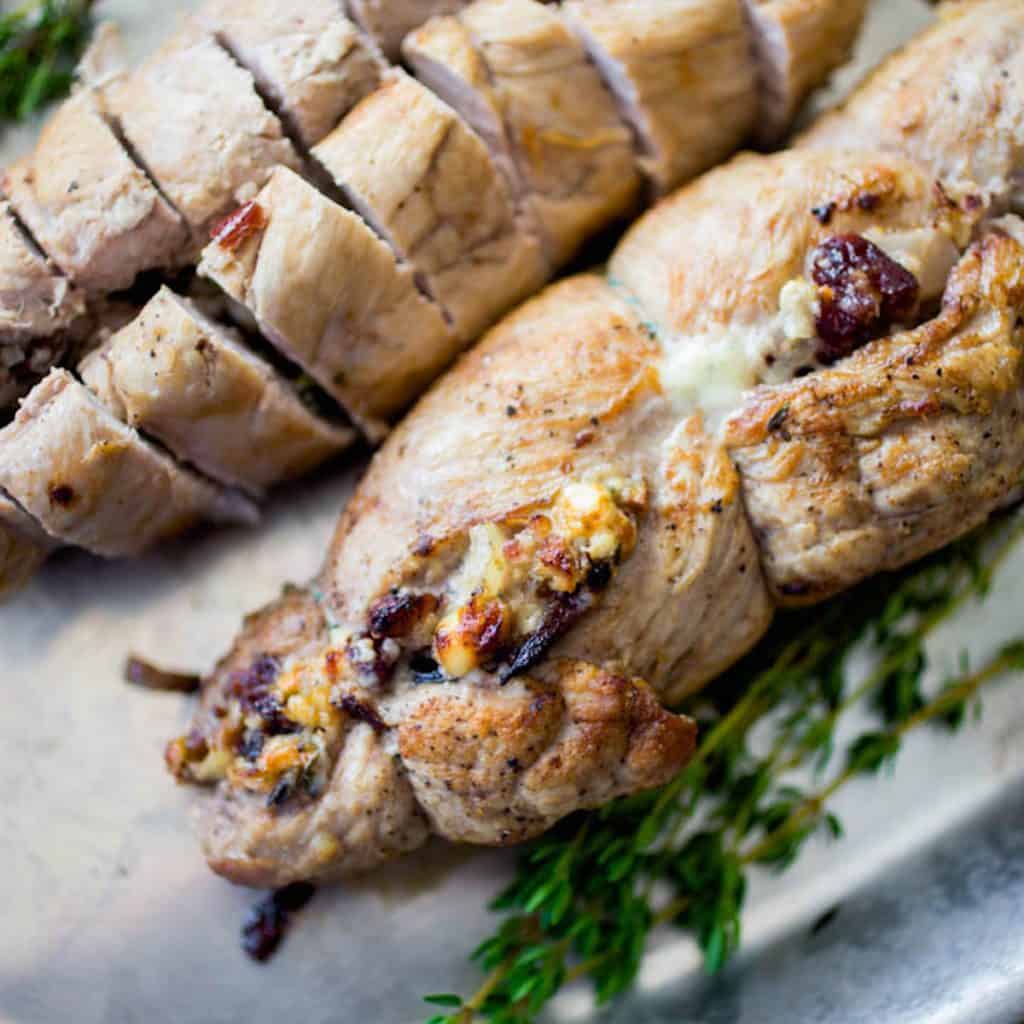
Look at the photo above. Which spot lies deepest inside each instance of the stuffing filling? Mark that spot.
(519, 586)
(857, 288)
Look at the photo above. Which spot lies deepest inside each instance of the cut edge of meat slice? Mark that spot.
(89, 205)
(93, 482)
(177, 375)
(574, 154)
(443, 57)
(309, 75)
(41, 311)
(372, 341)
(191, 116)
(24, 546)
(388, 22)
(479, 237)
(797, 44)
(620, 36)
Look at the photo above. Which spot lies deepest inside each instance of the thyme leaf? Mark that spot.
(40, 43)
(587, 896)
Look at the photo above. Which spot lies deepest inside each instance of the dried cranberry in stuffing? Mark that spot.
(861, 290)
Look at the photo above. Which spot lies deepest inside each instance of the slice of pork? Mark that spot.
(540, 104)
(193, 118)
(91, 481)
(97, 215)
(444, 57)
(388, 21)
(426, 182)
(310, 62)
(39, 307)
(184, 379)
(683, 75)
(24, 546)
(330, 295)
(797, 45)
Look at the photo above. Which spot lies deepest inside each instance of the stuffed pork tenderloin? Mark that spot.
(800, 371)
(450, 215)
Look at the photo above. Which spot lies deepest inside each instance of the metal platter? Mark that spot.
(111, 915)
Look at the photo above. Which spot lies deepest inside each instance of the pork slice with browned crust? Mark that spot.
(180, 377)
(425, 181)
(797, 45)
(39, 309)
(309, 61)
(524, 81)
(389, 21)
(24, 546)
(683, 73)
(90, 480)
(332, 297)
(94, 212)
(192, 118)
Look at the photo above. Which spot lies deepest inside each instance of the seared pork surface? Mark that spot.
(87, 204)
(192, 117)
(185, 380)
(309, 61)
(962, 117)
(639, 471)
(333, 298)
(90, 480)
(899, 449)
(425, 181)
(683, 74)
(533, 94)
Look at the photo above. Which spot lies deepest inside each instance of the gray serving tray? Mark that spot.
(109, 914)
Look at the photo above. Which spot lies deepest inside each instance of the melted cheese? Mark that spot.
(928, 253)
(709, 373)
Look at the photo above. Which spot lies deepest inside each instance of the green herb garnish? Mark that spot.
(588, 895)
(40, 43)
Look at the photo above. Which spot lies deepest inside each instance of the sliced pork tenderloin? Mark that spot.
(542, 107)
(310, 62)
(182, 378)
(425, 181)
(331, 296)
(24, 546)
(797, 45)
(683, 74)
(192, 117)
(93, 211)
(40, 310)
(91, 481)
(389, 21)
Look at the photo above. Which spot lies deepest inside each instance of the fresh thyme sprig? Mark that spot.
(587, 896)
(40, 43)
